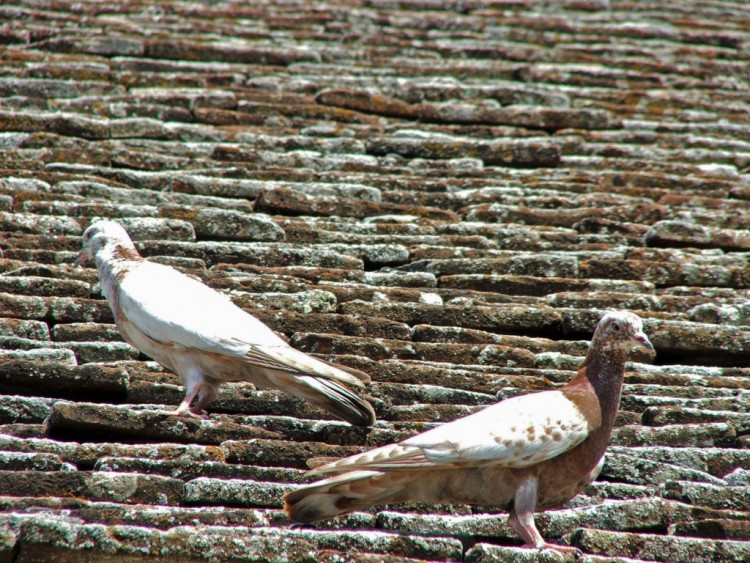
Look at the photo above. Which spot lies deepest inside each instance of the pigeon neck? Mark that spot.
(113, 261)
(605, 370)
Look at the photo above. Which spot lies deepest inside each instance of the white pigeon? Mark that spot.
(202, 336)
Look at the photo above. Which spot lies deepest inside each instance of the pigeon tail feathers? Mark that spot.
(330, 396)
(361, 376)
(337, 495)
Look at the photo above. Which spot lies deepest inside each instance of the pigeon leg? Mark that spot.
(194, 383)
(521, 519)
(205, 397)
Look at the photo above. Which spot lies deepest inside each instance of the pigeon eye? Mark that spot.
(616, 326)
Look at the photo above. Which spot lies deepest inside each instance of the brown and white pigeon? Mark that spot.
(531, 452)
(199, 334)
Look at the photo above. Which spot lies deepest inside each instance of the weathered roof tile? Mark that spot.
(444, 195)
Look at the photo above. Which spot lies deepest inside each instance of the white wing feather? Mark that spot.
(171, 307)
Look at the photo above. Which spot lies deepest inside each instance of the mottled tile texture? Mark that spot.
(443, 194)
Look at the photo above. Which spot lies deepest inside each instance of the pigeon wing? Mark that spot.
(290, 360)
(517, 432)
(174, 309)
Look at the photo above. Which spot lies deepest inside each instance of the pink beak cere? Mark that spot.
(643, 340)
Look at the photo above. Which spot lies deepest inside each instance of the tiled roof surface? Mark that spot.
(444, 194)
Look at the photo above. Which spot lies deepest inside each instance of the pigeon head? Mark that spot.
(620, 331)
(107, 235)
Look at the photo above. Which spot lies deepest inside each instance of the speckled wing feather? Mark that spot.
(174, 309)
(517, 432)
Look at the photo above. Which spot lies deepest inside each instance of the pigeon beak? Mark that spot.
(643, 340)
(80, 259)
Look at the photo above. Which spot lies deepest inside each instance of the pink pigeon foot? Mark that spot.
(184, 408)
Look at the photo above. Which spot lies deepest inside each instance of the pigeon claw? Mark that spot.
(201, 415)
